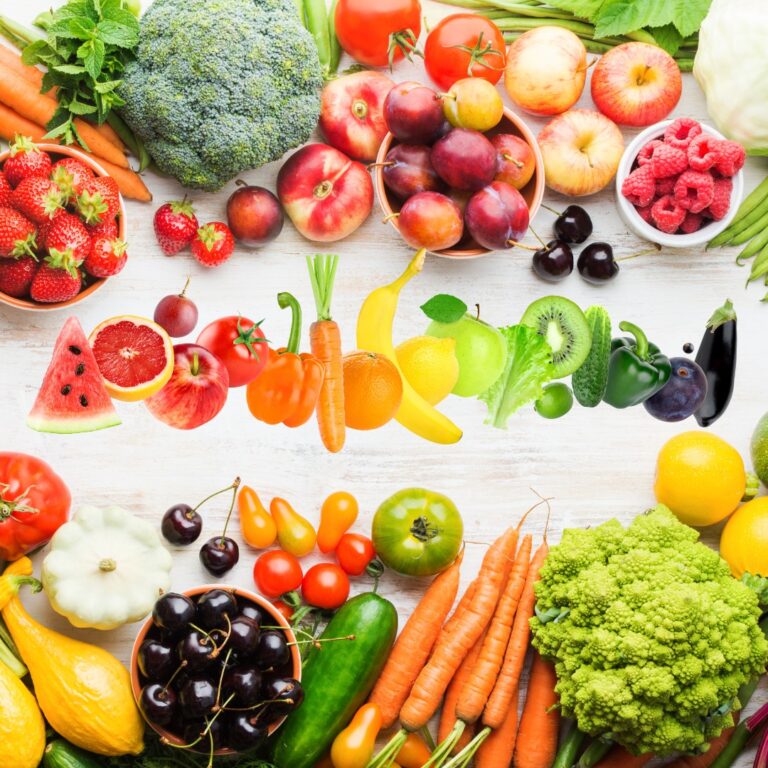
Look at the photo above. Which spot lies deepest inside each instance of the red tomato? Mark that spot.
(240, 344)
(277, 572)
(325, 586)
(284, 609)
(353, 552)
(375, 33)
(464, 45)
(34, 503)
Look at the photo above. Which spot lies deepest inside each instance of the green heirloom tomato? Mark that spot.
(417, 532)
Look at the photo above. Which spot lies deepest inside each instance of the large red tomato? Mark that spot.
(34, 503)
(240, 344)
(378, 32)
(464, 45)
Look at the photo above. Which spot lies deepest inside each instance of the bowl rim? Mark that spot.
(470, 253)
(254, 597)
(645, 230)
(27, 304)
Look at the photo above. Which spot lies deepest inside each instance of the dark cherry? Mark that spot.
(254, 613)
(174, 613)
(554, 261)
(197, 697)
(215, 607)
(219, 555)
(688, 348)
(157, 660)
(596, 263)
(573, 225)
(197, 650)
(158, 703)
(193, 733)
(181, 525)
(243, 636)
(246, 731)
(284, 694)
(245, 683)
(272, 650)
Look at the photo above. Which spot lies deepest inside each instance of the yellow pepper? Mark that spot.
(354, 746)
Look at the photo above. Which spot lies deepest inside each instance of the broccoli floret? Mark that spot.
(221, 86)
(652, 638)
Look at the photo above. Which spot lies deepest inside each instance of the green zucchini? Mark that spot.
(62, 754)
(337, 679)
(589, 381)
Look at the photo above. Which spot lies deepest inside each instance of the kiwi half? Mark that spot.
(564, 326)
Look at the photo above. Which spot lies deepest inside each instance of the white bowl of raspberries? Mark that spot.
(679, 183)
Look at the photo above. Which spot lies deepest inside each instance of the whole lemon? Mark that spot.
(700, 477)
(430, 366)
(744, 541)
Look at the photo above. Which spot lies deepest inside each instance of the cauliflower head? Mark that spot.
(221, 86)
(650, 635)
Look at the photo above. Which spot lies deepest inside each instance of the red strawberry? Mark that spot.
(17, 234)
(213, 244)
(107, 257)
(99, 200)
(68, 233)
(44, 228)
(38, 198)
(16, 275)
(107, 228)
(57, 279)
(175, 226)
(5, 191)
(71, 175)
(26, 159)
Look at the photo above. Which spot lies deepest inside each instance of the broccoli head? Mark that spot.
(650, 634)
(221, 86)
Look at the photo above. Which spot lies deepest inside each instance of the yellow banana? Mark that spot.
(374, 334)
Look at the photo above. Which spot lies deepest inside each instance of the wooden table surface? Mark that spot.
(596, 463)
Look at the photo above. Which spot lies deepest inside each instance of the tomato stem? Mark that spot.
(422, 530)
(8, 507)
(246, 337)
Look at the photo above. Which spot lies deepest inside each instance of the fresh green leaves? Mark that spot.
(444, 308)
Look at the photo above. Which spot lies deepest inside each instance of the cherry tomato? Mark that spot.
(295, 534)
(464, 45)
(325, 585)
(257, 525)
(378, 33)
(354, 552)
(277, 572)
(240, 345)
(284, 609)
(354, 746)
(338, 513)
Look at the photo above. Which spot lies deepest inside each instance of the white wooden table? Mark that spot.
(596, 463)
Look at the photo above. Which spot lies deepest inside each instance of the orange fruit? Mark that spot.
(373, 390)
(744, 541)
(134, 355)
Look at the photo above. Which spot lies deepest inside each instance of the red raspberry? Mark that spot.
(694, 190)
(691, 223)
(730, 156)
(639, 187)
(665, 186)
(644, 155)
(721, 202)
(668, 161)
(701, 152)
(644, 213)
(667, 214)
(680, 133)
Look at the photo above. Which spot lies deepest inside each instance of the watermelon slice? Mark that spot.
(72, 397)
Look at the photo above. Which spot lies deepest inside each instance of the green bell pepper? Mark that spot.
(636, 370)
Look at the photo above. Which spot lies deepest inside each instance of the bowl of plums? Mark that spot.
(216, 670)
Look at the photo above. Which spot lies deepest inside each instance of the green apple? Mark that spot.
(480, 349)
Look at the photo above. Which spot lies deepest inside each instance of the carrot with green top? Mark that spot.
(496, 751)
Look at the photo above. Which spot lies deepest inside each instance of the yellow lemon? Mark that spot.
(430, 366)
(744, 541)
(700, 477)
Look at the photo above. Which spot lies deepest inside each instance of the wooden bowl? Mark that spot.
(242, 594)
(533, 192)
(58, 151)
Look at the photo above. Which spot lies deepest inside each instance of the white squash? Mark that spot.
(106, 568)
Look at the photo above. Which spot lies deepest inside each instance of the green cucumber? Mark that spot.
(62, 754)
(337, 679)
(589, 381)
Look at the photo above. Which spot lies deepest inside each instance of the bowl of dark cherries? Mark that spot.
(216, 670)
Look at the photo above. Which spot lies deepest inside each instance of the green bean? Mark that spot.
(755, 198)
(520, 24)
(738, 225)
(133, 142)
(759, 266)
(316, 14)
(752, 247)
(754, 229)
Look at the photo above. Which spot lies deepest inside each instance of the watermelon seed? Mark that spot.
(80, 370)
(66, 389)
(75, 350)
(84, 401)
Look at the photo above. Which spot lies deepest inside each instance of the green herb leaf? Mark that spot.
(79, 108)
(444, 308)
(585, 9)
(114, 33)
(622, 16)
(107, 86)
(69, 69)
(668, 38)
(31, 53)
(92, 54)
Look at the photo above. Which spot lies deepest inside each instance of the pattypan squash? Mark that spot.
(106, 568)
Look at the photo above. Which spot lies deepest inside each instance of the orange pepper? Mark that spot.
(295, 534)
(286, 391)
(338, 513)
(353, 747)
(257, 525)
(414, 753)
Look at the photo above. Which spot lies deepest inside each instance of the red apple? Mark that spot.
(326, 195)
(196, 391)
(254, 215)
(636, 84)
(516, 160)
(352, 113)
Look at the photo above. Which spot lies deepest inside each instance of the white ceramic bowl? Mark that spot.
(647, 231)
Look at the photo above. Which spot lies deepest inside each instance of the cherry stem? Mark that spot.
(552, 210)
(232, 485)
(173, 676)
(205, 732)
(317, 642)
(235, 485)
(535, 234)
(391, 216)
(512, 159)
(184, 289)
(208, 636)
(656, 248)
(385, 164)
(522, 245)
(260, 705)
(221, 678)
(226, 635)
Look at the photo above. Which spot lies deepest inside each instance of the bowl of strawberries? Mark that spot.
(62, 226)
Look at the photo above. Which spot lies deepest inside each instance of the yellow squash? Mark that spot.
(22, 730)
(83, 691)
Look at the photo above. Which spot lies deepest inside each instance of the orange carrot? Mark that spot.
(448, 713)
(466, 599)
(21, 96)
(414, 644)
(130, 183)
(618, 757)
(537, 739)
(509, 676)
(12, 124)
(496, 751)
(325, 342)
(478, 687)
(451, 648)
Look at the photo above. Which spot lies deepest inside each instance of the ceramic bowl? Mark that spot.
(533, 192)
(58, 151)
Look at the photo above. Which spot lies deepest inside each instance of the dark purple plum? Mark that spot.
(465, 159)
(254, 215)
(414, 113)
(596, 263)
(410, 171)
(554, 261)
(497, 216)
(682, 395)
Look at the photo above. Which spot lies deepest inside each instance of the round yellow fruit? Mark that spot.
(700, 477)
(744, 541)
(430, 366)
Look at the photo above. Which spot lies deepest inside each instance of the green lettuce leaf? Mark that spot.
(528, 368)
